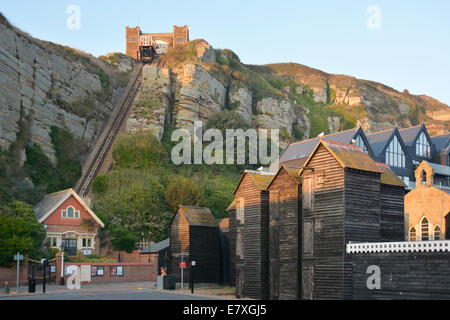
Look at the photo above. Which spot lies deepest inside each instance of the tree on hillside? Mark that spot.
(138, 208)
(20, 232)
(183, 191)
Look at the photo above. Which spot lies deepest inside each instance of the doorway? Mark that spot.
(70, 246)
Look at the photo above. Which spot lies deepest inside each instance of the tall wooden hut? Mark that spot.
(392, 204)
(285, 234)
(250, 229)
(232, 240)
(340, 203)
(194, 236)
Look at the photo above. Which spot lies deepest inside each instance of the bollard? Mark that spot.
(7, 287)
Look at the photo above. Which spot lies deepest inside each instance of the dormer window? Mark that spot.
(395, 156)
(423, 148)
(70, 213)
(360, 143)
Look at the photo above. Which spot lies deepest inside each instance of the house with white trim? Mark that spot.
(70, 224)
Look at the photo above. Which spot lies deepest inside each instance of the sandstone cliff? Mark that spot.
(195, 81)
(50, 85)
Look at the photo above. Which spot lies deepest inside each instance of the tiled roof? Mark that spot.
(157, 247)
(294, 173)
(197, 216)
(441, 142)
(379, 140)
(389, 177)
(50, 201)
(409, 135)
(262, 180)
(350, 156)
(303, 149)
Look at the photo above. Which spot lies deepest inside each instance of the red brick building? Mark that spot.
(71, 225)
(135, 39)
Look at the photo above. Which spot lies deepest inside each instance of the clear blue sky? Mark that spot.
(410, 51)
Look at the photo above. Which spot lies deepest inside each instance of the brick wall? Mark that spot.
(10, 275)
(132, 42)
(132, 272)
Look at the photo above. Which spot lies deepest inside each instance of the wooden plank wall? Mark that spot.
(404, 276)
(255, 235)
(179, 243)
(392, 219)
(205, 250)
(284, 238)
(362, 206)
(325, 221)
(232, 241)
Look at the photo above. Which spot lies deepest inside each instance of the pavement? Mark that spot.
(118, 291)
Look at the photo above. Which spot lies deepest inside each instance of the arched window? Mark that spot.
(412, 234)
(70, 212)
(425, 232)
(437, 233)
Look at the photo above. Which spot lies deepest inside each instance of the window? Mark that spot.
(425, 230)
(87, 243)
(423, 148)
(71, 213)
(437, 233)
(360, 143)
(52, 241)
(395, 157)
(412, 234)
(180, 40)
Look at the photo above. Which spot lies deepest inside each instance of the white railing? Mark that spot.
(421, 246)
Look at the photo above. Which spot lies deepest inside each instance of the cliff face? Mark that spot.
(193, 82)
(48, 85)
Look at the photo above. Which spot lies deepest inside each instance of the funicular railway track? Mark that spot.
(105, 142)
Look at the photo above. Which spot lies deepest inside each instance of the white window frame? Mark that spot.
(423, 147)
(65, 213)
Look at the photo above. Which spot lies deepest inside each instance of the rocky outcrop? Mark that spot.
(153, 102)
(241, 100)
(49, 89)
(275, 114)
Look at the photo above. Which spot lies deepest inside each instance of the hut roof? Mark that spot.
(157, 247)
(294, 172)
(349, 156)
(232, 205)
(389, 177)
(197, 216)
(261, 179)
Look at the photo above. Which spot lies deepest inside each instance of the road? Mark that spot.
(128, 291)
